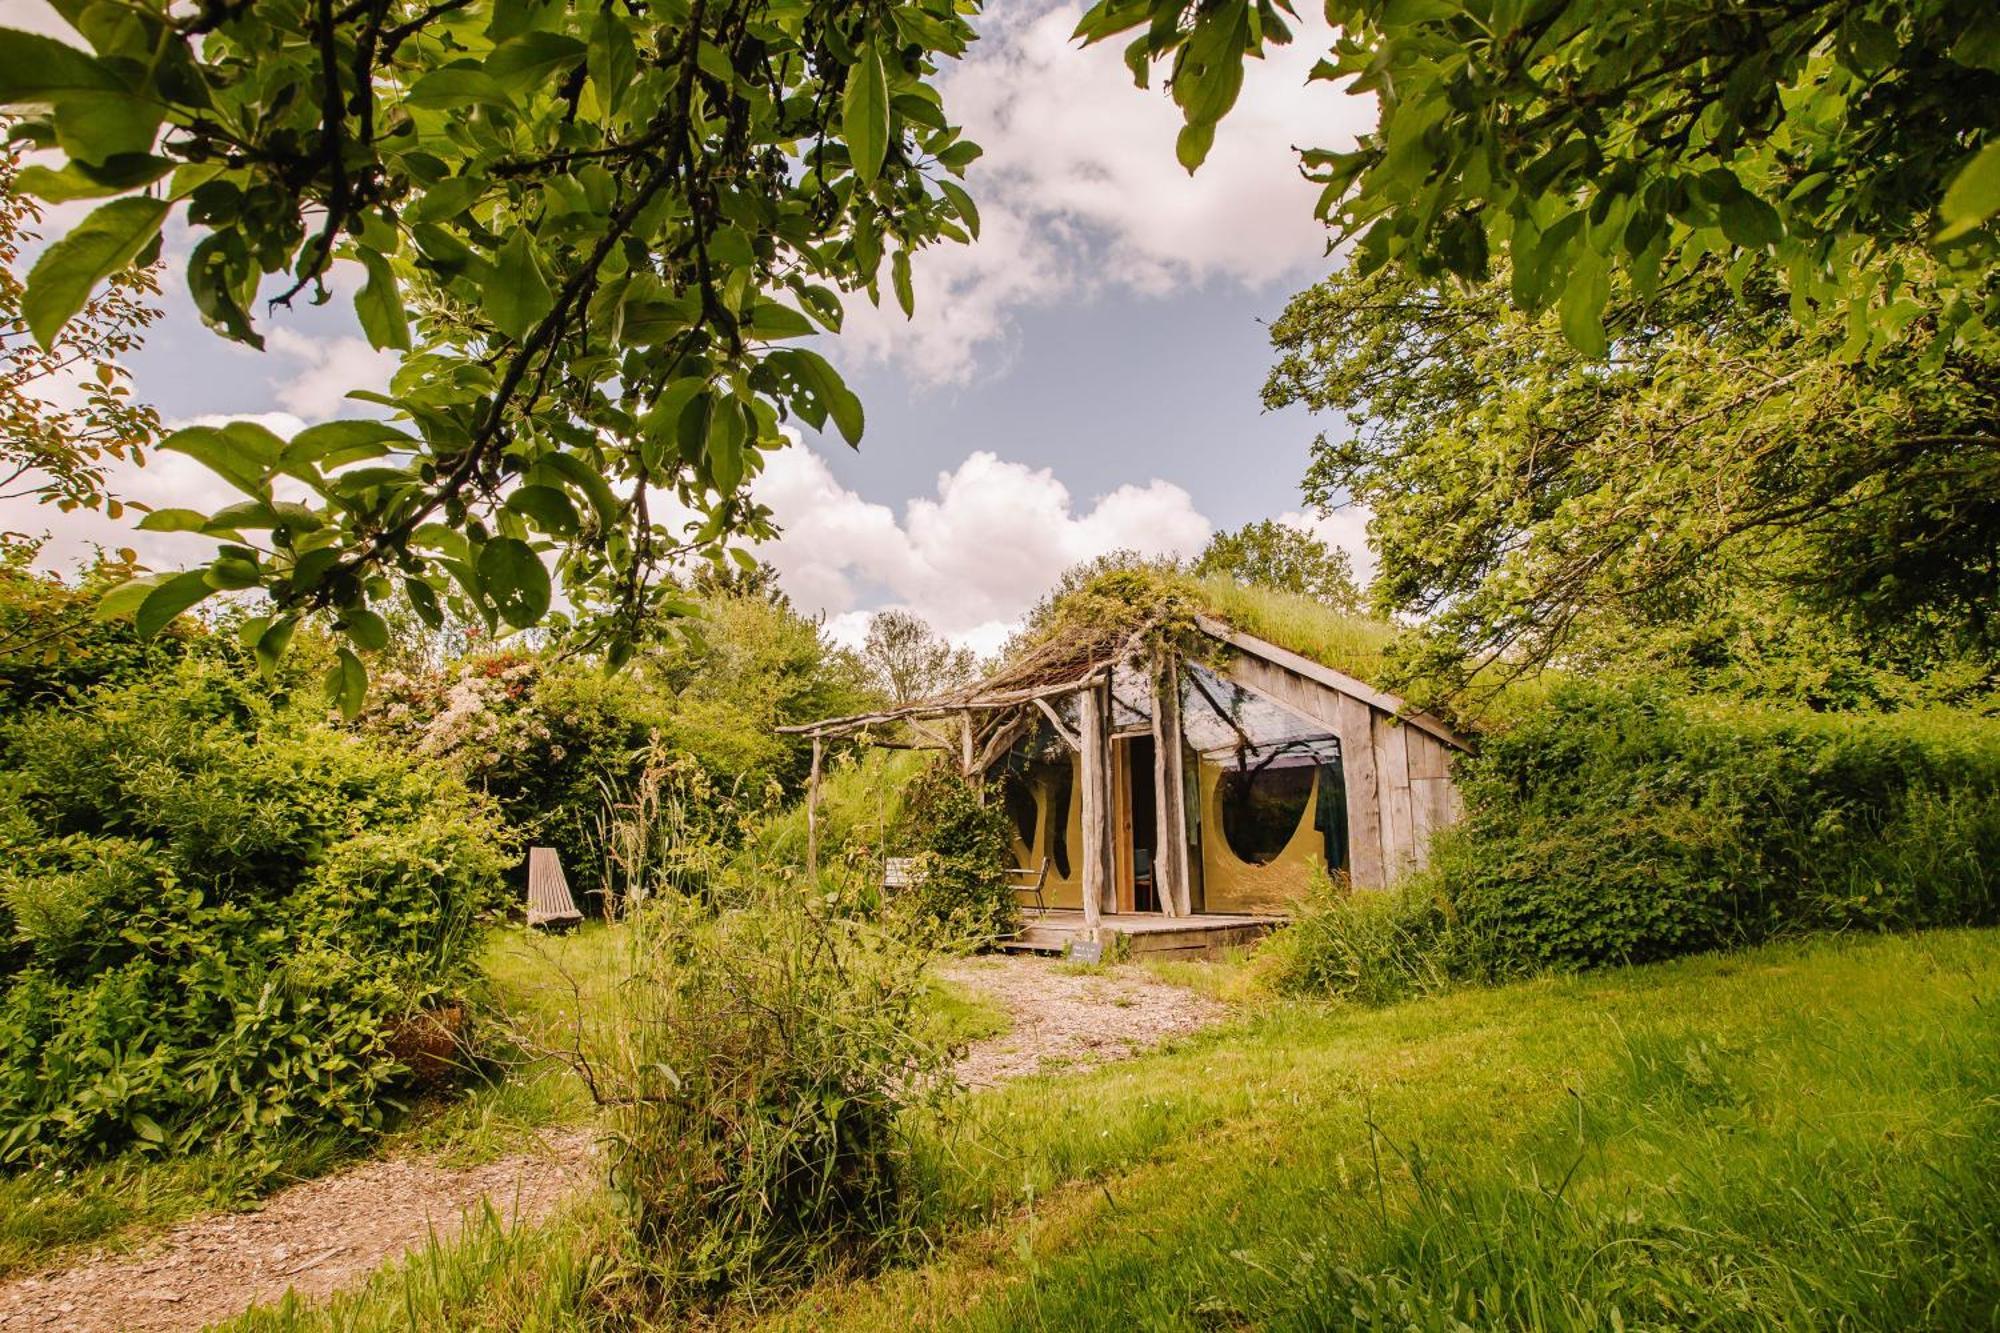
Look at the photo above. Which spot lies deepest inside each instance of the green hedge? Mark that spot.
(1621, 825)
(221, 910)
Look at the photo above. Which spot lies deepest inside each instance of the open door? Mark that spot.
(1138, 826)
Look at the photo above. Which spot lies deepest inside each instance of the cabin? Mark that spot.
(1181, 792)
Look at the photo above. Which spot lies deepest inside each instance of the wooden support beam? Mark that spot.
(812, 816)
(1170, 858)
(1055, 721)
(1094, 758)
(967, 748)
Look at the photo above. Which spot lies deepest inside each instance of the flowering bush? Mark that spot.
(545, 740)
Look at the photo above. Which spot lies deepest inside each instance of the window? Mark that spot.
(1261, 809)
(1057, 791)
(1019, 801)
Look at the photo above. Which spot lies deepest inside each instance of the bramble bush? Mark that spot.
(1621, 825)
(222, 909)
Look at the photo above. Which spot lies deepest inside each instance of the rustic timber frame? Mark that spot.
(1395, 761)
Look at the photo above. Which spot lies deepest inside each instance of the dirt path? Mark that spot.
(325, 1235)
(1066, 1018)
(314, 1238)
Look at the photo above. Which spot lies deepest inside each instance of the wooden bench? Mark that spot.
(1029, 883)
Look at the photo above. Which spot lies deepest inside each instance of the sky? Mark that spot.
(1084, 378)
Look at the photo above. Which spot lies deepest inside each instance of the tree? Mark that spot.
(1576, 140)
(593, 230)
(1276, 555)
(58, 454)
(909, 660)
(1529, 498)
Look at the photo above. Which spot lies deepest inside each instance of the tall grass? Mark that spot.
(1798, 1137)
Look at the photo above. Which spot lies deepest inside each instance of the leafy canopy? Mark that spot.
(595, 231)
(1578, 139)
(1530, 500)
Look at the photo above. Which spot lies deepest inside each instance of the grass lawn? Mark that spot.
(1807, 1135)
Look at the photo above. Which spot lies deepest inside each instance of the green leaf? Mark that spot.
(516, 579)
(812, 372)
(174, 520)
(445, 200)
(272, 643)
(962, 201)
(147, 1128)
(365, 629)
(108, 240)
(532, 60)
(1973, 195)
(425, 599)
(230, 456)
(518, 297)
(548, 507)
(1192, 144)
(35, 69)
(1750, 222)
(613, 61)
(864, 113)
(332, 443)
(770, 320)
(347, 684)
(379, 304)
(126, 599)
(117, 176)
(899, 274)
(1583, 301)
(455, 86)
(168, 600)
(594, 487)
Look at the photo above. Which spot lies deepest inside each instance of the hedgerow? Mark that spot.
(223, 909)
(1621, 825)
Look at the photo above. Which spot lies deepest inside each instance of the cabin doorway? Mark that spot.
(1138, 827)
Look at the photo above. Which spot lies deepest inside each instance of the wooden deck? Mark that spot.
(1135, 933)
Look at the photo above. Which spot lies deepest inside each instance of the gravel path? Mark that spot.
(325, 1235)
(314, 1238)
(1066, 1018)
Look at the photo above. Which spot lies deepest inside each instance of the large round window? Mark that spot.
(1261, 809)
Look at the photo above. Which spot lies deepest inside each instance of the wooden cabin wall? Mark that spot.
(1399, 789)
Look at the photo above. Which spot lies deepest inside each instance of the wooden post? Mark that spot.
(812, 815)
(1170, 858)
(967, 762)
(1093, 756)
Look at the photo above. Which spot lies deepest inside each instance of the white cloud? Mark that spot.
(970, 559)
(327, 369)
(1080, 188)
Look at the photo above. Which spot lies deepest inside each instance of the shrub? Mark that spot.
(1373, 948)
(1619, 825)
(960, 841)
(767, 1055)
(223, 910)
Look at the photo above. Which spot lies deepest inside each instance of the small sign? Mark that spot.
(1086, 951)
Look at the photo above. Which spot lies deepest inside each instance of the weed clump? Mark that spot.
(770, 1051)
